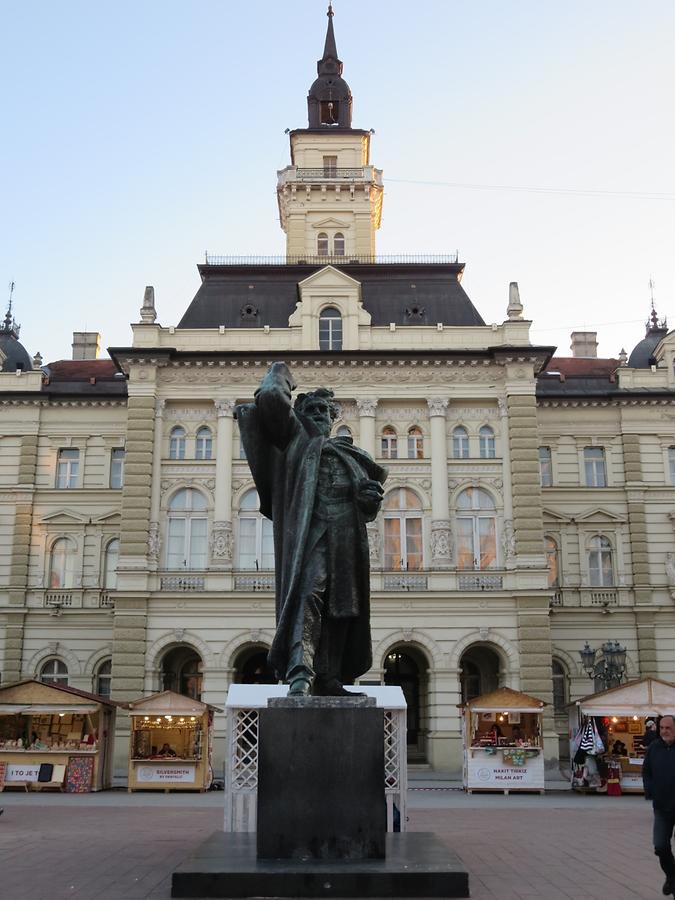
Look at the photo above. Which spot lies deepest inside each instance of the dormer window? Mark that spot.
(330, 329)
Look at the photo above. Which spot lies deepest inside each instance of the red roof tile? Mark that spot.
(582, 367)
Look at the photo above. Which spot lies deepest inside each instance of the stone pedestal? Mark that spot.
(321, 779)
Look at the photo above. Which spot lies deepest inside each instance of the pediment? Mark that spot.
(64, 517)
(551, 516)
(330, 222)
(329, 277)
(598, 514)
(108, 518)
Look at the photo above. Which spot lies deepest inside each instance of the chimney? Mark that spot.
(584, 343)
(86, 344)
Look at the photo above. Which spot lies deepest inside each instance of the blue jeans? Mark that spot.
(664, 822)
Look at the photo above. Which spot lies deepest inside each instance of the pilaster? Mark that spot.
(526, 490)
(441, 534)
(366, 408)
(222, 539)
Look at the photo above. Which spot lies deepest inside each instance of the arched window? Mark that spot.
(203, 443)
(110, 561)
(322, 244)
(62, 564)
(330, 329)
(552, 562)
(600, 566)
(339, 244)
(177, 443)
(54, 671)
(343, 431)
(460, 443)
(476, 530)
(486, 441)
(186, 544)
(103, 680)
(402, 530)
(389, 443)
(415, 443)
(256, 539)
(560, 683)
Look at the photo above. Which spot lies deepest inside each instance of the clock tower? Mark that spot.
(330, 197)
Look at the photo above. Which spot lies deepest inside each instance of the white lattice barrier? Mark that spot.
(241, 765)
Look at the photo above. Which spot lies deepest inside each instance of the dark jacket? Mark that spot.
(658, 774)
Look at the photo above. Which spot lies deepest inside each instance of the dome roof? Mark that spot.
(13, 355)
(643, 352)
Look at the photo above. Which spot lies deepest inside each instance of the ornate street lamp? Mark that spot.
(610, 669)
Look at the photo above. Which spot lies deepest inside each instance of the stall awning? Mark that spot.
(648, 697)
(37, 698)
(10, 709)
(168, 703)
(505, 700)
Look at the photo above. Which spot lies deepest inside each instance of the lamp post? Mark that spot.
(610, 668)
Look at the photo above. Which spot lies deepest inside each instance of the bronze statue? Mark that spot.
(319, 492)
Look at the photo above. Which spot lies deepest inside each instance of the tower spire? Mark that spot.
(329, 47)
(330, 101)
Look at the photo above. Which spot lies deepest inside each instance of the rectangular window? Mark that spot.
(197, 550)
(488, 542)
(545, 467)
(392, 545)
(329, 166)
(671, 464)
(117, 468)
(247, 543)
(175, 554)
(594, 467)
(68, 469)
(465, 558)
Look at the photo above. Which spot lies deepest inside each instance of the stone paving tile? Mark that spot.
(54, 851)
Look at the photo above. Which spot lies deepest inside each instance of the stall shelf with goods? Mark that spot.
(609, 732)
(171, 742)
(55, 736)
(503, 745)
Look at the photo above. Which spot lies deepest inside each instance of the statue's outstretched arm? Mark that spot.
(273, 399)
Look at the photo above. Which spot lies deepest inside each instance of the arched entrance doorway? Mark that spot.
(406, 667)
(182, 672)
(251, 667)
(479, 667)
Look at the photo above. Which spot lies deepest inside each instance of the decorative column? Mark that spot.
(222, 540)
(441, 530)
(154, 539)
(366, 408)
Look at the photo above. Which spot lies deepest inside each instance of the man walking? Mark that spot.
(658, 775)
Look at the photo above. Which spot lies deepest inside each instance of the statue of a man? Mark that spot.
(319, 492)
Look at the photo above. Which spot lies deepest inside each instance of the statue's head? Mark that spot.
(318, 406)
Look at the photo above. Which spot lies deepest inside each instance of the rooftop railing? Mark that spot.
(436, 259)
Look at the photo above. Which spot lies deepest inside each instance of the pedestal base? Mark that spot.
(417, 865)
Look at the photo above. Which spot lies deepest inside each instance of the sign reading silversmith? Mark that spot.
(319, 493)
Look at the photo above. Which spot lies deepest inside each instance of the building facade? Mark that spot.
(530, 504)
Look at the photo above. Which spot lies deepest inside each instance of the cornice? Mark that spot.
(612, 401)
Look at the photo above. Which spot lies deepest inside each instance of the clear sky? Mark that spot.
(537, 138)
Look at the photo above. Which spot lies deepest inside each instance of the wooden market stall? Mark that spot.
(503, 746)
(55, 736)
(621, 716)
(171, 743)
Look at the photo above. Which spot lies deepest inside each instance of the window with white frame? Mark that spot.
(322, 244)
(415, 443)
(339, 244)
(68, 468)
(600, 562)
(460, 443)
(256, 539)
(552, 562)
(62, 564)
(389, 443)
(671, 464)
(476, 530)
(486, 442)
(403, 548)
(54, 671)
(117, 467)
(545, 467)
(177, 443)
(103, 679)
(330, 166)
(330, 329)
(203, 443)
(110, 560)
(594, 467)
(187, 531)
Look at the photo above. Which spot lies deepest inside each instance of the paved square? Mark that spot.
(115, 846)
